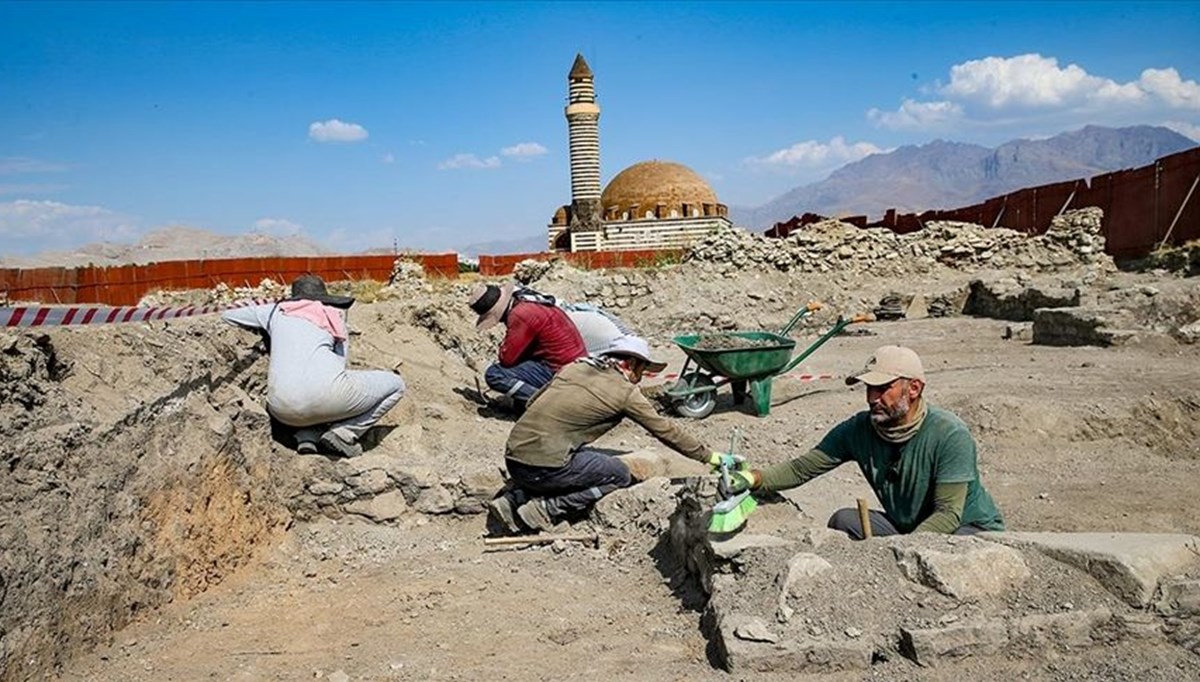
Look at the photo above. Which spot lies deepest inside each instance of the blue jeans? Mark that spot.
(575, 487)
(520, 381)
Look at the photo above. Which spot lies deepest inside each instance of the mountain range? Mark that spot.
(943, 174)
(177, 242)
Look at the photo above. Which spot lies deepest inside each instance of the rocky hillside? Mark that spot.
(944, 174)
(172, 243)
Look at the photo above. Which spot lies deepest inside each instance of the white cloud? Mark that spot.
(812, 154)
(37, 225)
(388, 158)
(1008, 90)
(1191, 130)
(334, 130)
(914, 115)
(469, 161)
(1168, 86)
(20, 165)
(277, 227)
(523, 151)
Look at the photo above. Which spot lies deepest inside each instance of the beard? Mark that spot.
(882, 415)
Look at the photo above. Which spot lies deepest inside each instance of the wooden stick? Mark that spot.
(864, 518)
(540, 539)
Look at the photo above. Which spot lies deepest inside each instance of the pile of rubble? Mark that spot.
(222, 294)
(1073, 239)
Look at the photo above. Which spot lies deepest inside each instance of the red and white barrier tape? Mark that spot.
(38, 316)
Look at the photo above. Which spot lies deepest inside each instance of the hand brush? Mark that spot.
(731, 513)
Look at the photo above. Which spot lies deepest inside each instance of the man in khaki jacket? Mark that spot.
(554, 473)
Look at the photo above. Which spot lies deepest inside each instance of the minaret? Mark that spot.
(583, 125)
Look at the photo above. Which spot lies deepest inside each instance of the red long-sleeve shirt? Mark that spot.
(540, 332)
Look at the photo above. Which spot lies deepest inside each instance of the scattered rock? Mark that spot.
(972, 569)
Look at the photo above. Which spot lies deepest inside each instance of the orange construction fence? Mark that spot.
(125, 285)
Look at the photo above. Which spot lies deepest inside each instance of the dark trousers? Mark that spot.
(520, 381)
(587, 477)
(846, 520)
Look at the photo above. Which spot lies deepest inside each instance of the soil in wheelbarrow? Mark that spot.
(726, 342)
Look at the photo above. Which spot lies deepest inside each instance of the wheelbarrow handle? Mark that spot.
(842, 323)
(804, 312)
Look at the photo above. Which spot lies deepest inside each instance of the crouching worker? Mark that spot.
(554, 474)
(308, 385)
(539, 339)
(919, 459)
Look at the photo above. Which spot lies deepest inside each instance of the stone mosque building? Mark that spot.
(649, 205)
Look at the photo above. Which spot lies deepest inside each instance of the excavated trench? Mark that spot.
(123, 489)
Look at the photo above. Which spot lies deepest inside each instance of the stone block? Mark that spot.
(1130, 565)
(732, 547)
(434, 500)
(1075, 629)
(926, 646)
(377, 459)
(386, 507)
(800, 569)
(370, 482)
(325, 487)
(647, 505)
(793, 580)
(918, 308)
(1007, 300)
(414, 480)
(759, 650)
(469, 505)
(1138, 625)
(1019, 332)
(1179, 597)
(482, 485)
(967, 570)
(1080, 327)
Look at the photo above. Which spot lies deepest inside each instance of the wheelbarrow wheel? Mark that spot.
(696, 405)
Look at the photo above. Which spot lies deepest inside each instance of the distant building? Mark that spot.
(650, 205)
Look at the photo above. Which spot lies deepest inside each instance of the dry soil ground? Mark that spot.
(1070, 439)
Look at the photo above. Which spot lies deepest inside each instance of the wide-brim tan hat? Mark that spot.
(887, 364)
(637, 347)
(490, 302)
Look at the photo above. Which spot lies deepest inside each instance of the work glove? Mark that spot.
(724, 459)
(739, 482)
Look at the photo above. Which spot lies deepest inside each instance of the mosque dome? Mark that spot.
(658, 189)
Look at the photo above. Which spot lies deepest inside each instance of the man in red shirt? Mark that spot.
(540, 339)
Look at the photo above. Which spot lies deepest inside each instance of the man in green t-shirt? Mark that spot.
(919, 459)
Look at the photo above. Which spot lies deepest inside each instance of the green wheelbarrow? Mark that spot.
(747, 360)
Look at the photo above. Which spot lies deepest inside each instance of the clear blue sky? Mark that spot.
(442, 124)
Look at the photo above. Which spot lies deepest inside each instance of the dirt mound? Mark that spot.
(141, 475)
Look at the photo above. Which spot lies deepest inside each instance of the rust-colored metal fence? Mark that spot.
(1143, 207)
(125, 285)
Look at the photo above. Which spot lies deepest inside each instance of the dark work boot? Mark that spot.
(535, 514)
(336, 445)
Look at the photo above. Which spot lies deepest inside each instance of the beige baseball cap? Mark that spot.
(887, 364)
